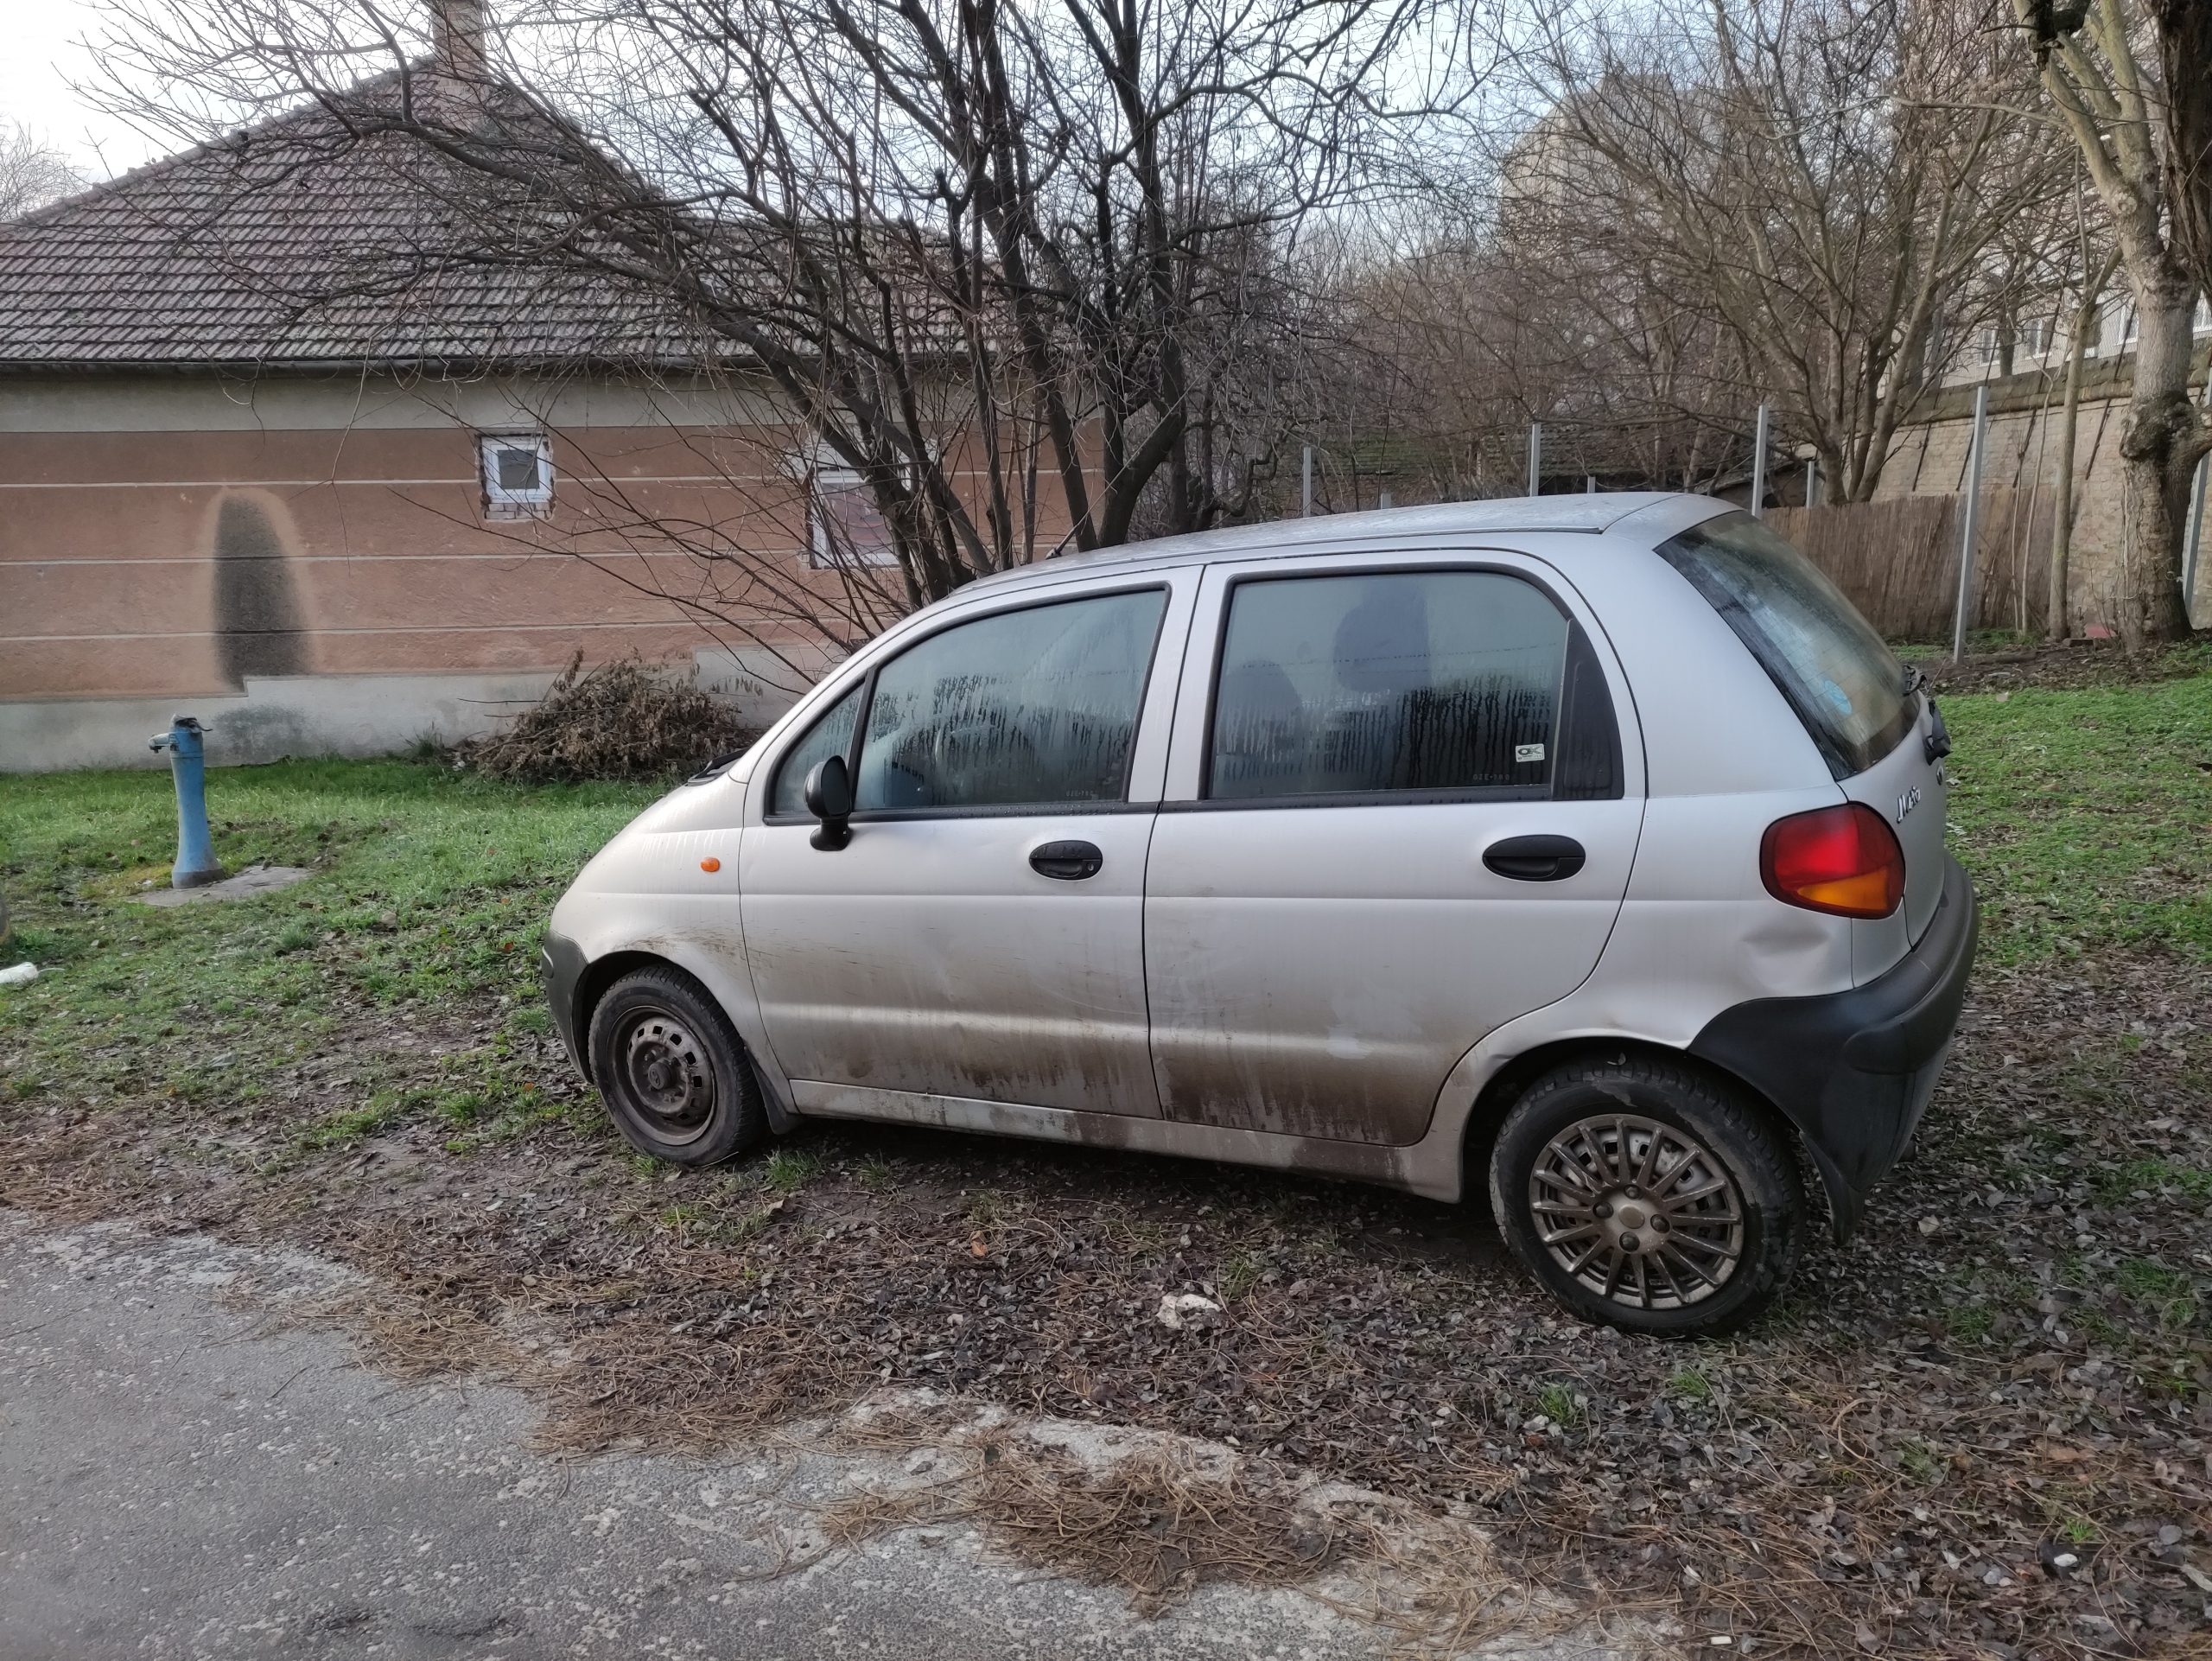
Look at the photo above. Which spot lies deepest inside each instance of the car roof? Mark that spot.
(1592, 515)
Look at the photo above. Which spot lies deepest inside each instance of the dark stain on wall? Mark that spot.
(259, 627)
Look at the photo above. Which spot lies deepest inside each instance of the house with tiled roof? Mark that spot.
(271, 455)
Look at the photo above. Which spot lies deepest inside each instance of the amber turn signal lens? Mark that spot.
(1844, 860)
(710, 865)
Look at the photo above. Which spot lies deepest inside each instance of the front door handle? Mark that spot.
(1069, 862)
(1536, 859)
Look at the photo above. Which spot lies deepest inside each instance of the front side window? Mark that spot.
(831, 734)
(1837, 674)
(1387, 681)
(1038, 706)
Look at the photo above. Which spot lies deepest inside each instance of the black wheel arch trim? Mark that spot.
(574, 985)
(1853, 1071)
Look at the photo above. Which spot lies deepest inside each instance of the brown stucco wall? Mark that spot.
(191, 538)
(183, 563)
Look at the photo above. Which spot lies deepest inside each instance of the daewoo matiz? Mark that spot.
(1592, 846)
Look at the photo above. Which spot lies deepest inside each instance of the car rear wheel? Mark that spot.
(673, 1070)
(1648, 1196)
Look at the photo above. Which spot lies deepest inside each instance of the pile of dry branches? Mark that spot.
(626, 719)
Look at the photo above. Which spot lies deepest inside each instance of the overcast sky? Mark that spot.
(39, 61)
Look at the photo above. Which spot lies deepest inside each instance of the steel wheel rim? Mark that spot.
(1637, 1211)
(666, 1075)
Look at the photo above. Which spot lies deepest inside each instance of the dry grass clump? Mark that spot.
(1158, 1525)
(626, 719)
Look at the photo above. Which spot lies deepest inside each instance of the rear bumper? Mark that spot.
(1853, 1071)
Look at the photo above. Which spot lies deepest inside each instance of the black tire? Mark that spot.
(673, 1070)
(1653, 1227)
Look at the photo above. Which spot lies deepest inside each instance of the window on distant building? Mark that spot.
(2034, 337)
(2130, 324)
(518, 471)
(2200, 320)
(1985, 344)
(844, 528)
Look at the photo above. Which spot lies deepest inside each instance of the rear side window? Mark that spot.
(1389, 681)
(1845, 684)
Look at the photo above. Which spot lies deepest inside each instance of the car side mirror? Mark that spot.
(829, 799)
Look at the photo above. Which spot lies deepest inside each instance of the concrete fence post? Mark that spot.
(1535, 458)
(2193, 538)
(1970, 532)
(1759, 467)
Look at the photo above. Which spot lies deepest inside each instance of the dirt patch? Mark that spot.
(2066, 664)
(1980, 1428)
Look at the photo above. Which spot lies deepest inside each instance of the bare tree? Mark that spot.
(2099, 65)
(1821, 175)
(2184, 29)
(1007, 265)
(32, 173)
(1486, 325)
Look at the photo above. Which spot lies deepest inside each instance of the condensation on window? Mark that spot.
(1387, 681)
(1034, 706)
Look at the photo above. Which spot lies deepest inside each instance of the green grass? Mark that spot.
(2085, 816)
(1557, 1404)
(429, 895)
(2152, 1175)
(789, 1169)
(1240, 1275)
(1691, 1385)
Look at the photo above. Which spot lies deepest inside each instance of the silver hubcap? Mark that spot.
(1639, 1213)
(669, 1081)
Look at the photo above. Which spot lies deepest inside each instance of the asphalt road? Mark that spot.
(182, 1477)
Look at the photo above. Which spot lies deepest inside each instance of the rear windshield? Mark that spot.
(1843, 682)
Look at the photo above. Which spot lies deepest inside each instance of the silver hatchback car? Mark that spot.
(1592, 845)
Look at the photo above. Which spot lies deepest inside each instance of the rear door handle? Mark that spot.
(1068, 862)
(1536, 859)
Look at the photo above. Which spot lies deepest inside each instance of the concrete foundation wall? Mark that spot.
(312, 715)
(316, 715)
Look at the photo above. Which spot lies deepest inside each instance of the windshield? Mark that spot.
(1847, 686)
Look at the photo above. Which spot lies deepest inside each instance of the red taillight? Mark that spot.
(1843, 860)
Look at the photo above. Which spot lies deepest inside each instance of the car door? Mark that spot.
(981, 935)
(1402, 817)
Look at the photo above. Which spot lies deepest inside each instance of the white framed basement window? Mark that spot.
(844, 527)
(518, 475)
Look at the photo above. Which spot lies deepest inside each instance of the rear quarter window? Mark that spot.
(1837, 673)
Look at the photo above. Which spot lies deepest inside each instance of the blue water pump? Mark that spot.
(195, 864)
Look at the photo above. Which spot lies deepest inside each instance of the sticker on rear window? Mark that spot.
(1528, 752)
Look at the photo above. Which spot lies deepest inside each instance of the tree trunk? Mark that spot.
(2159, 443)
(2185, 57)
(2062, 530)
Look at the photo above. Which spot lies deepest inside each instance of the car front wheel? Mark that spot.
(1648, 1196)
(673, 1070)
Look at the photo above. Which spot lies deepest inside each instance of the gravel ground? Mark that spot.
(1977, 1430)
